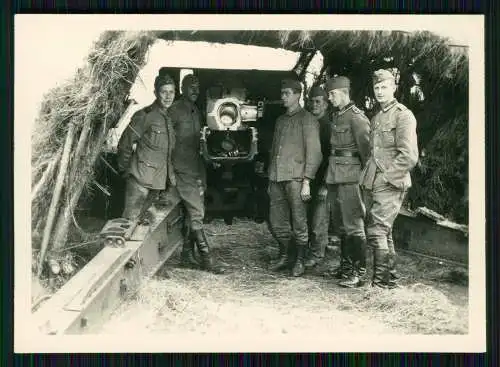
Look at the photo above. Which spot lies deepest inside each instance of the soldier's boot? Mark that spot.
(207, 261)
(299, 268)
(341, 271)
(312, 261)
(381, 276)
(292, 254)
(394, 276)
(355, 247)
(187, 254)
(283, 258)
(392, 257)
(363, 275)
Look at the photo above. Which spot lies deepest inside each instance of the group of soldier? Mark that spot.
(324, 167)
(340, 167)
(159, 151)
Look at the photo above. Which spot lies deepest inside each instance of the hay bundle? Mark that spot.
(71, 129)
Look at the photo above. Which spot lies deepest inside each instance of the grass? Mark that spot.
(248, 298)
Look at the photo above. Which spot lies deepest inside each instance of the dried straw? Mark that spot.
(249, 299)
(92, 102)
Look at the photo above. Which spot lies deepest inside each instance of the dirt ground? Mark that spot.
(432, 299)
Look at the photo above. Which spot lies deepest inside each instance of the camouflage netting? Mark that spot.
(75, 117)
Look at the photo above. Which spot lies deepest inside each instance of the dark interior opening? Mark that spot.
(260, 85)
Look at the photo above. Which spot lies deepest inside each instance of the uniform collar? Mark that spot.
(346, 108)
(187, 102)
(390, 105)
(294, 112)
(156, 105)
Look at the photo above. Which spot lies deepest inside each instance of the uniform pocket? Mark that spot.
(147, 170)
(341, 136)
(388, 135)
(157, 137)
(347, 169)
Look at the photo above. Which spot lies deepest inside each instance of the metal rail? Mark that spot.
(131, 255)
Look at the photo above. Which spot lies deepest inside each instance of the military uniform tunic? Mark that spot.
(188, 164)
(349, 152)
(386, 177)
(295, 155)
(148, 167)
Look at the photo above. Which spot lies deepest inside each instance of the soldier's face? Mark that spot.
(289, 97)
(165, 95)
(384, 91)
(318, 105)
(337, 97)
(192, 91)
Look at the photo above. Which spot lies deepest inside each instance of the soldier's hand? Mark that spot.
(305, 193)
(173, 180)
(322, 193)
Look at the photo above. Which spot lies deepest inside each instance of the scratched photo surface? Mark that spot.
(249, 183)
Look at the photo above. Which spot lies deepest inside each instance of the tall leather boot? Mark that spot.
(392, 267)
(187, 254)
(355, 247)
(381, 276)
(283, 258)
(207, 262)
(392, 257)
(292, 253)
(341, 271)
(362, 260)
(299, 268)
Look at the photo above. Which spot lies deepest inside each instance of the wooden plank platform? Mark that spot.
(417, 232)
(113, 275)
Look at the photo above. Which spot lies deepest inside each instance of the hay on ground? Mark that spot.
(250, 299)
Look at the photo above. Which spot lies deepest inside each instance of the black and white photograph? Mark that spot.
(277, 183)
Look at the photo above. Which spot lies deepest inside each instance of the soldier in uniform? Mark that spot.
(386, 177)
(319, 213)
(145, 150)
(190, 173)
(350, 132)
(294, 160)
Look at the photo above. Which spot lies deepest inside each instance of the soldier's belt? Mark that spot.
(345, 153)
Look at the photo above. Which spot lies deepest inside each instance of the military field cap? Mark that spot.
(163, 71)
(291, 83)
(337, 83)
(189, 80)
(163, 79)
(381, 75)
(317, 92)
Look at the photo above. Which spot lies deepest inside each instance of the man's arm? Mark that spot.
(312, 146)
(131, 135)
(360, 126)
(406, 144)
(324, 135)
